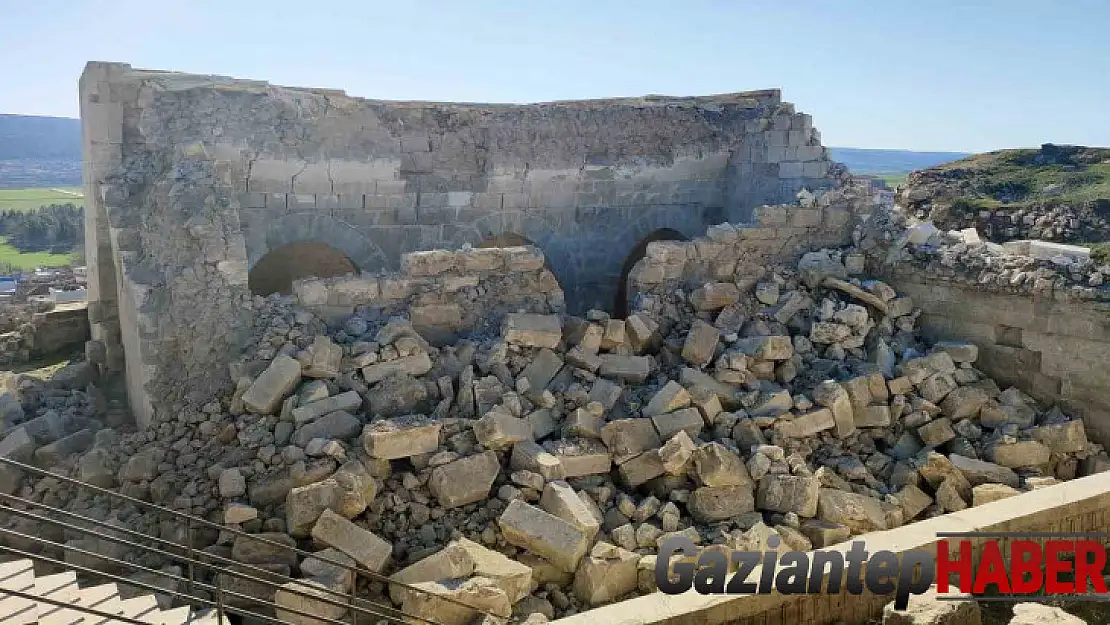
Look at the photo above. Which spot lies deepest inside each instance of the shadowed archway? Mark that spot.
(276, 271)
(620, 306)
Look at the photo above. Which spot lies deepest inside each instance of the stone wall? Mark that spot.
(62, 327)
(1050, 344)
(740, 252)
(191, 180)
(444, 293)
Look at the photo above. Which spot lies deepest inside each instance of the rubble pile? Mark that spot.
(533, 472)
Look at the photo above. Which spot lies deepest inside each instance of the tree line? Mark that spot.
(56, 228)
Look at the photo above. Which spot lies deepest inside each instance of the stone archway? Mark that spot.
(638, 251)
(319, 228)
(279, 268)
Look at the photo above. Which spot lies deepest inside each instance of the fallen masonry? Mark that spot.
(533, 468)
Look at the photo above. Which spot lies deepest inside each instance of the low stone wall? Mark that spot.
(1081, 505)
(445, 293)
(1051, 344)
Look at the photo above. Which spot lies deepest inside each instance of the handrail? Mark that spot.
(44, 519)
(190, 520)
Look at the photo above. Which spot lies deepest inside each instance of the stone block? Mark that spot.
(633, 369)
(714, 296)
(710, 504)
(542, 370)
(339, 425)
(607, 574)
(544, 534)
(964, 402)
(676, 453)
(670, 398)
(306, 597)
(936, 432)
(789, 493)
(464, 481)
(1062, 438)
(982, 472)
(809, 424)
(370, 551)
(858, 512)
(559, 499)
(626, 438)
(582, 422)
(580, 457)
(500, 430)
(687, 420)
(642, 468)
(415, 365)
(876, 416)
(477, 594)
(833, 396)
(529, 456)
(1019, 454)
(278, 380)
(766, 347)
(913, 501)
(323, 359)
(825, 534)
(701, 343)
(305, 504)
(533, 330)
(403, 437)
(350, 401)
(987, 493)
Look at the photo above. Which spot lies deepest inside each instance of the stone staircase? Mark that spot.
(19, 576)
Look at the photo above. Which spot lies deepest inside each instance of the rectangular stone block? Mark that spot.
(416, 365)
(390, 439)
(278, 380)
(544, 534)
(626, 368)
(370, 551)
(349, 401)
(533, 330)
(687, 420)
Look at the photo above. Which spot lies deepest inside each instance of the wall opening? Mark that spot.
(280, 267)
(620, 306)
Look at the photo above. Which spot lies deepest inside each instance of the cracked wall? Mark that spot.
(193, 179)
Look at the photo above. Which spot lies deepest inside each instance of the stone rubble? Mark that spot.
(533, 472)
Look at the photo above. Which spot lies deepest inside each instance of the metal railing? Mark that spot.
(223, 569)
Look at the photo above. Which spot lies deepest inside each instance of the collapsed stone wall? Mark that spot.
(444, 293)
(192, 180)
(44, 329)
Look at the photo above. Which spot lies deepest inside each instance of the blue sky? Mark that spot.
(911, 74)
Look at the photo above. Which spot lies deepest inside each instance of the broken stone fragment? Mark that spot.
(307, 597)
(531, 330)
(499, 430)
(714, 296)
(529, 456)
(928, 609)
(959, 351)
(642, 331)
(1062, 438)
(541, 371)
(464, 481)
(766, 347)
(789, 493)
(986, 493)
(1019, 454)
(323, 358)
(544, 534)
(676, 453)
(606, 574)
(833, 396)
(477, 594)
(1041, 614)
(397, 395)
(278, 380)
(949, 497)
(339, 425)
(404, 437)
(305, 504)
(701, 343)
(983, 472)
(370, 551)
(823, 533)
(995, 415)
(583, 422)
(964, 403)
(936, 432)
(715, 465)
(860, 513)
(913, 501)
(709, 504)
(936, 387)
(626, 438)
(415, 365)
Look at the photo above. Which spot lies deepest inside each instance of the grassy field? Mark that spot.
(892, 180)
(30, 260)
(31, 199)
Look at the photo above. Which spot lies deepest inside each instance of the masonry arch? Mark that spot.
(638, 251)
(276, 271)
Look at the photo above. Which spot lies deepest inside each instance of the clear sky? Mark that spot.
(947, 75)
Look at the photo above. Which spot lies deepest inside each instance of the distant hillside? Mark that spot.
(866, 161)
(39, 151)
(1057, 192)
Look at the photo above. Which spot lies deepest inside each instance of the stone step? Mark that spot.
(19, 576)
(59, 587)
(142, 608)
